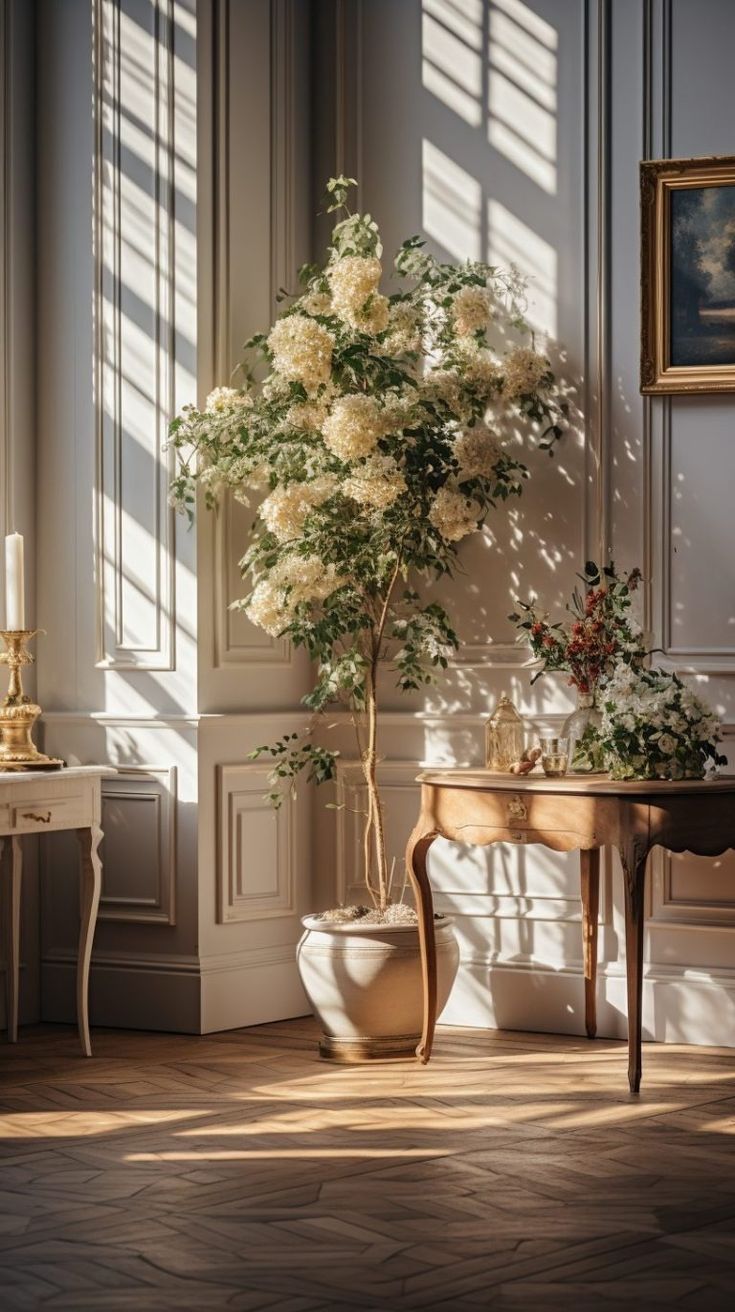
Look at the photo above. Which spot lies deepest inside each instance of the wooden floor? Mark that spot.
(238, 1171)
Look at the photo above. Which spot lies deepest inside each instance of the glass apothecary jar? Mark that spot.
(504, 736)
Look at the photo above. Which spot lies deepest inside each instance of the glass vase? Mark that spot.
(580, 728)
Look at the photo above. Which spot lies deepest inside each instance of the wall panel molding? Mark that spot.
(134, 231)
(5, 258)
(660, 412)
(256, 858)
(237, 642)
(597, 344)
(139, 804)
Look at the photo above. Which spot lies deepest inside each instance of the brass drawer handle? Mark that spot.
(33, 815)
(517, 809)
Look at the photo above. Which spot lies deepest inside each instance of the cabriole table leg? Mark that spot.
(416, 855)
(89, 900)
(13, 859)
(633, 856)
(590, 877)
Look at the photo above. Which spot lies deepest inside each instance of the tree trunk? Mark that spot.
(375, 833)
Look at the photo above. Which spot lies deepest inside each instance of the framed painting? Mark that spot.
(688, 275)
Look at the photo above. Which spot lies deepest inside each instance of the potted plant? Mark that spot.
(371, 423)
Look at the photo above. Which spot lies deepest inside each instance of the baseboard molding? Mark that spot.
(232, 997)
(679, 1005)
(126, 993)
(187, 995)
(182, 995)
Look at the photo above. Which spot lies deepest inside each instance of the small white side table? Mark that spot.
(43, 802)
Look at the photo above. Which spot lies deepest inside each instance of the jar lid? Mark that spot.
(505, 710)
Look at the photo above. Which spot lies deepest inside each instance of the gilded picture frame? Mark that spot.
(688, 275)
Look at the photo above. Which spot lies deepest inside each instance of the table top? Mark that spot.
(584, 784)
(18, 777)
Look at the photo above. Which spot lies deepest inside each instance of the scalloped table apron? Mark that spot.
(575, 813)
(43, 802)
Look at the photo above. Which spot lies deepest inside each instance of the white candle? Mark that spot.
(15, 615)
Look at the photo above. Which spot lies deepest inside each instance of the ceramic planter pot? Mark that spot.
(364, 985)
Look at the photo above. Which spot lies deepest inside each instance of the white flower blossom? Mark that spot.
(317, 303)
(353, 427)
(480, 369)
(353, 279)
(302, 350)
(310, 415)
(287, 508)
(454, 514)
(653, 726)
(373, 317)
(377, 483)
(470, 310)
(266, 609)
(523, 370)
(477, 451)
(446, 387)
(404, 329)
(223, 399)
(292, 581)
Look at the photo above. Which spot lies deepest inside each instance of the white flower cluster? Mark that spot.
(523, 370)
(317, 303)
(445, 386)
(224, 400)
(477, 451)
(302, 350)
(376, 484)
(470, 310)
(353, 426)
(454, 514)
(292, 580)
(287, 508)
(354, 281)
(398, 411)
(480, 369)
(653, 726)
(309, 415)
(404, 329)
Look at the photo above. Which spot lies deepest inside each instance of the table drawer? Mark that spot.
(522, 812)
(34, 817)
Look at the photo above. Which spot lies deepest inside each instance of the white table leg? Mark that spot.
(89, 900)
(11, 917)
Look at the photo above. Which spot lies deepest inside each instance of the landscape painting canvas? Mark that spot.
(688, 275)
(702, 304)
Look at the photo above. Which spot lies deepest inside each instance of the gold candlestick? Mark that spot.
(18, 713)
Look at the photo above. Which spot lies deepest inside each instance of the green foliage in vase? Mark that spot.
(374, 432)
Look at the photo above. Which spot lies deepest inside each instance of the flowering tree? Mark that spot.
(371, 423)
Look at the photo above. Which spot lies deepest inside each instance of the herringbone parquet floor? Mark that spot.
(238, 1171)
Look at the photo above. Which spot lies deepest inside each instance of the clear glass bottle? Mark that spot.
(585, 757)
(503, 737)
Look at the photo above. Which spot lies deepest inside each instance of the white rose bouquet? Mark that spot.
(372, 422)
(655, 727)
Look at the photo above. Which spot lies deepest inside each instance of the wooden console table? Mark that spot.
(568, 814)
(43, 802)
